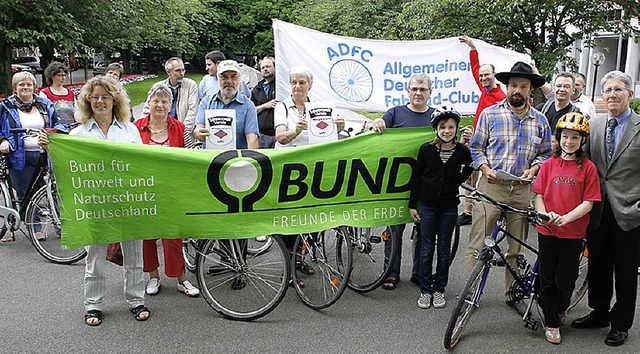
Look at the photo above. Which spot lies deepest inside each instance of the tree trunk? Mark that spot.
(5, 69)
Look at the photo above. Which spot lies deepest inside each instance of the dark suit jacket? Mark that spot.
(620, 178)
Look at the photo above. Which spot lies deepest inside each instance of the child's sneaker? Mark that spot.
(424, 302)
(552, 335)
(438, 300)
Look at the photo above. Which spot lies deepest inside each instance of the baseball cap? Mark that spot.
(228, 65)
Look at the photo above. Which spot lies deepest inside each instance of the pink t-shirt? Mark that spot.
(563, 188)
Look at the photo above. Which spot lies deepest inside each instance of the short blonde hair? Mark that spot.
(21, 76)
(120, 101)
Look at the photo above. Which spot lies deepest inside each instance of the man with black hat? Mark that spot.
(513, 137)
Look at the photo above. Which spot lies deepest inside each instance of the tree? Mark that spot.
(538, 28)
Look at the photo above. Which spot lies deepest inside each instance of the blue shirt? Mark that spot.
(403, 117)
(209, 85)
(246, 115)
(622, 122)
(505, 142)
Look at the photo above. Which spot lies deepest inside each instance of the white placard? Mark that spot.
(221, 124)
(320, 118)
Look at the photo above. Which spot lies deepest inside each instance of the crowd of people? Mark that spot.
(569, 163)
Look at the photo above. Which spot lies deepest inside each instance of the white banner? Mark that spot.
(373, 75)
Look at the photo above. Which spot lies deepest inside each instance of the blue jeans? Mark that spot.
(20, 179)
(435, 224)
(398, 231)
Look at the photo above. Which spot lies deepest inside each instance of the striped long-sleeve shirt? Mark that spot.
(505, 142)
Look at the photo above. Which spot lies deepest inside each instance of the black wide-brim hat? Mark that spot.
(521, 69)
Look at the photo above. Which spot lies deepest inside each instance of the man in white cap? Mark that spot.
(246, 120)
(513, 137)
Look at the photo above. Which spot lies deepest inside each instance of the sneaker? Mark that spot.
(464, 218)
(552, 335)
(261, 238)
(424, 302)
(40, 236)
(153, 286)
(438, 300)
(188, 289)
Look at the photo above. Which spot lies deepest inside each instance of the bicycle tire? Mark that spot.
(329, 252)
(582, 285)
(259, 246)
(243, 288)
(43, 226)
(190, 248)
(467, 302)
(371, 266)
(5, 199)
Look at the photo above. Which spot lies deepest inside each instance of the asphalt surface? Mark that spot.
(41, 311)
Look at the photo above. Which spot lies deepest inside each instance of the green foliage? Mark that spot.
(635, 105)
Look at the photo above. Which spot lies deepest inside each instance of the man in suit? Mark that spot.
(614, 232)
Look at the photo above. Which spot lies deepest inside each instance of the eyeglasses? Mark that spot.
(61, 75)
(96, 98)
(611, 91)
(421, 89)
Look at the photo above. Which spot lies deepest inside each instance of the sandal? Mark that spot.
(305, 268)
(93, 318)
(300, 283)
(138, 311)
(390, 283)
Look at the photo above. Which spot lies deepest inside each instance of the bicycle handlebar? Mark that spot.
(530, 214)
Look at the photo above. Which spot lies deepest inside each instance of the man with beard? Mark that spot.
(228, 97)
(185, 94)
(513, 137)
(581, 101)
(264, 97)
(553, 109)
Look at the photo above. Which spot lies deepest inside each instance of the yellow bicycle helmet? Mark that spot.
(574, 121)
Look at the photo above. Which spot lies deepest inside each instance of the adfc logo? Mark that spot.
(349, 77)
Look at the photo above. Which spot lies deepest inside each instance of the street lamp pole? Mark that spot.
(597, 59)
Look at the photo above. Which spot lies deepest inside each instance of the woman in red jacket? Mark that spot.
(159, 129)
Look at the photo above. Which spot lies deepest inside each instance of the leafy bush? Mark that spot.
(635, 105)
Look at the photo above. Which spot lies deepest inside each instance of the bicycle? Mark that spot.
(330, 253)
(238, 284)
(190, 247)
(370, 264)
(39, 210)
(526, 282)
(582, 285)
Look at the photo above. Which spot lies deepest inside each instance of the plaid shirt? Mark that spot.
(504, 142)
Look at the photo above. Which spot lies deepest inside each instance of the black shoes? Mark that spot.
(464, 219)
(589, 321)
(615, 338)
(415, 279)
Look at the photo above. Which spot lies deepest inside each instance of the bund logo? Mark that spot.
(239, 177)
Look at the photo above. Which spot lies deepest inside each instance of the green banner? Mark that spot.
(116, 191)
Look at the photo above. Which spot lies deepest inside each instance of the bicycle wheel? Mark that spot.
(242, 286)
(260, 245)
(190, 253)
(5, 201)
(581, 283)
(370, 265)
(467, 302)
(329, 253)
(43, 225)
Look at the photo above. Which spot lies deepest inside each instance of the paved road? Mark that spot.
(42, 311)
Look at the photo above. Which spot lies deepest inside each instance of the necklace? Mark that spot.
(160, 130)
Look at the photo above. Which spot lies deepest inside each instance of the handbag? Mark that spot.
(114, 253)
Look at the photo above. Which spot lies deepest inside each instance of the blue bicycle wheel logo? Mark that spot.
(351, 80)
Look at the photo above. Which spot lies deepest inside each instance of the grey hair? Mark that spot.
(421, 78)
(160, 88)
(299, 70)
(23, 75)
(618, 75)
(168, 65)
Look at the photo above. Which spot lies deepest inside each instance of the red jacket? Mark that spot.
(175, 129)
(486, 98)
